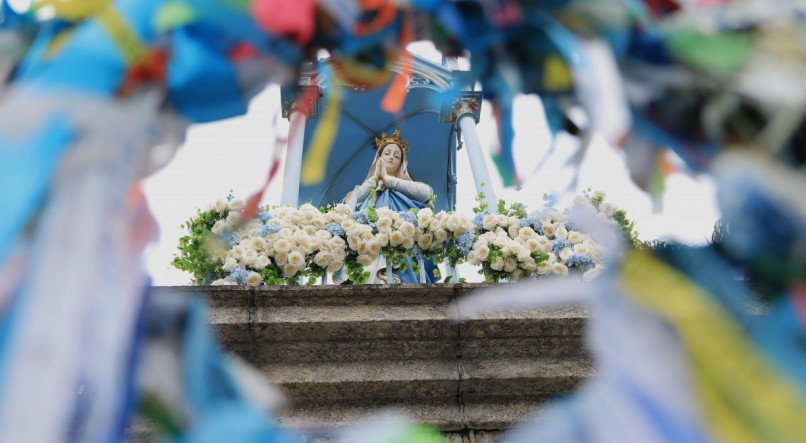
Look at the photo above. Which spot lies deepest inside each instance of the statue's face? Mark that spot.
(392, 155)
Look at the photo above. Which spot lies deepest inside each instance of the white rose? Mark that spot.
(313, 243)
(592, 273)
(526, 232)
(501, 220)
(548, 230)
(483, 252)
(544, 267)
(220, 205)
(362, 248)
(289, 270)
(261, 262)
(512, 231)
(581, 248)
(282, 245)
(560, 231)
(337, 243)
(281, 258)
(424, 241)
(364, 260)
(424, 216)
(532, 244)
(296, 259)
(396, 238)
(506, 250)
(353, 240)
(237, 252)
(342, 208)
(219, 227)
(566, 253)
(229, 264)
(510, 264)
(322, 259)
(382, 239)
(374, 247)
(324, 234)
(254, 279)
(489, 222)
(440, 235)
(223, 282)
(516, 274)
(524, 255)
(408, 229)
(497, 264)
(384, 223)
(473, 258)
(408, 242)
(249, 256)
(559, 268)
(575, 237)
(258, 244)
(235, 205)
(234, 217)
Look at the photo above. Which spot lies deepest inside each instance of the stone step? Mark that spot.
(290, 351)
(351, 333)
(341, 353)
(448, 416)
(418, 380)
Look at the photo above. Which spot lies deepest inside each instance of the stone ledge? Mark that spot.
(343, 352)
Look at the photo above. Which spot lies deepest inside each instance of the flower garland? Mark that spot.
(287, 245)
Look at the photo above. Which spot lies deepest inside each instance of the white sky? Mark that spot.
(236, 153)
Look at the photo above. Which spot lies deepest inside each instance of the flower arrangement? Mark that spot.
(287, 245)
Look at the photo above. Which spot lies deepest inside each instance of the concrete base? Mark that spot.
(341, 353)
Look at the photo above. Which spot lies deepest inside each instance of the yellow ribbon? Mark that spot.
(127, 40)
(742, 394)
(315, 162)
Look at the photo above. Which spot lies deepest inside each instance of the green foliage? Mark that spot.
(195, 247)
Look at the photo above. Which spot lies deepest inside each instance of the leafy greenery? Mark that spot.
(194, 249)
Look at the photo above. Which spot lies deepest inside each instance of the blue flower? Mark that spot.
(580, 261)
(361, 217)
(230, 238)
(558, 244)
(270, 228)
(230, 196)
(409, 217)
(465, 242)
(528, 222)
(478, 219)
(335, 229)
(239, 275)
(264, 215)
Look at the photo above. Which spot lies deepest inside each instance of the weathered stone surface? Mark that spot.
(341, 353)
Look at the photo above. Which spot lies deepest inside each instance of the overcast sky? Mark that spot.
(235, 155)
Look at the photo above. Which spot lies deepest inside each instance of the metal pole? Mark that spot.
(480, 175)
(293, 159)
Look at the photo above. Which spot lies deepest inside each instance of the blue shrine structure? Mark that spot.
(436, 132)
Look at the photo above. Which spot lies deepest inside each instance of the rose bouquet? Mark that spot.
(287, 245)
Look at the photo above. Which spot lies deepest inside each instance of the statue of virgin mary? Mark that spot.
(394, 189)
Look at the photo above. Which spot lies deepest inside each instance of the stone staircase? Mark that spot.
(342, 352)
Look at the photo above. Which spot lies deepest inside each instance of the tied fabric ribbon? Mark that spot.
(744, 397)
(315, 163)
(127, 40)
(396, 95)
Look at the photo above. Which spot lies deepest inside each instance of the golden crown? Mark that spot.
(395, 138)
